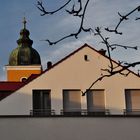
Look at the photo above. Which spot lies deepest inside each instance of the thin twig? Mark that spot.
(105, 40)
(120, 71)
(124, 46)
(81, 28)
(122, 18)
(43, 10)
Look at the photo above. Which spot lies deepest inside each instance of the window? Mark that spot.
(71, 102)
(86, 57)
(95, 102)
(41, 102)
(132, 97)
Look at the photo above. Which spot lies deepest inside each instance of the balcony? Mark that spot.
(72, 112)
(132, 112)
(42, 112)
(84, 112)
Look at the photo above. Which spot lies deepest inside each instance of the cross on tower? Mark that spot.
(24, 22)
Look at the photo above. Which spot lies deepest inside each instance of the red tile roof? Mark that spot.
(7, 88)
(10, 86)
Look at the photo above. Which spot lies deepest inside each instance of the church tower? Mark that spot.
(24, 60)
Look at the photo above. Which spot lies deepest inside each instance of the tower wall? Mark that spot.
(18, 73)
(24, 60)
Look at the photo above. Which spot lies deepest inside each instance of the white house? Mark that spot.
(58, 89)
(37, 104)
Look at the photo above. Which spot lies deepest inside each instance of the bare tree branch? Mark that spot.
(137, 18)
(81, 27)
(43, 10)
(99, 79)
(111, 73)
(105, 40)
(122, 18)
(124, 46)
(113, 68)
(76, 12)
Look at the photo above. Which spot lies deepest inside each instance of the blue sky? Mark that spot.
(100, 13)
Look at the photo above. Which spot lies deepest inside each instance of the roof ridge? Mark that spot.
(34, 76)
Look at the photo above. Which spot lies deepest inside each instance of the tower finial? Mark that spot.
(24, 22)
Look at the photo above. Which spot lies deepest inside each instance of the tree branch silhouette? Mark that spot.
(124, 46)
(122, 18)
(45, 12)
(111, 73)
(111, 70)
(78, 13)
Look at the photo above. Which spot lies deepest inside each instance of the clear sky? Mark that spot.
(102, 13)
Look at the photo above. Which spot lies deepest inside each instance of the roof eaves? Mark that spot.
(33, 77)
(68, 56)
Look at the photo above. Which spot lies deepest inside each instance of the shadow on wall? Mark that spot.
(41, 104)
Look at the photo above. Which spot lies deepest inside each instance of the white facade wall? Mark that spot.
(73, 73)
(59, 128)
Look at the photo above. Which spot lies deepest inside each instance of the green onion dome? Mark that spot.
(24, 54)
